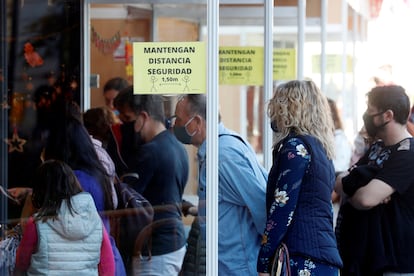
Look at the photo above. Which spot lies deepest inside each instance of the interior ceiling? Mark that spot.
(231, 15)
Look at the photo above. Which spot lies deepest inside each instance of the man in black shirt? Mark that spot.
(380, 188)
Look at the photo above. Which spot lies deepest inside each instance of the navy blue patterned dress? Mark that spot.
(293, 160)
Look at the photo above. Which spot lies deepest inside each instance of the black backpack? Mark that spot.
(134, 212)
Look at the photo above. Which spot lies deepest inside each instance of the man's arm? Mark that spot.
(338, 183)
(371, 195)
(241, 186)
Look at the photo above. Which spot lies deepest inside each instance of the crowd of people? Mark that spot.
(335, 215)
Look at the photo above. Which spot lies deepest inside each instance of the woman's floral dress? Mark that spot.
(293, 161)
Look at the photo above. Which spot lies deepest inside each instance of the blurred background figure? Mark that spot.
(99, 121)
(343, 148)
(383, 75)
(122, 140)
(111, 90)
(343, 152)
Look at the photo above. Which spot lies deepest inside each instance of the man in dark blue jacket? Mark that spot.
(161, 162)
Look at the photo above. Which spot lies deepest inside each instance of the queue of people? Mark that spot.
(292, 204)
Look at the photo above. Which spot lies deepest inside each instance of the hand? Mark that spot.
(386, 200)
(264, 274)
(193, 211)
(188, 208)
(335, 197)
(338, 183)
(20, 193)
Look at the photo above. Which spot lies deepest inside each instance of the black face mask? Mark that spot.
(371, 128)
(273, 125)
(138, 141)
(182, 134)
(128, 127)
(129, 135)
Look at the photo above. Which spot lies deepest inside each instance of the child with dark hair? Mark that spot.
(99, 121)
(66, 234)
(71, 143)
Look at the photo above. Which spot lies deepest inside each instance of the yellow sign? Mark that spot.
(333, 64)
(284, 64)
(241, 65)
(169, 67)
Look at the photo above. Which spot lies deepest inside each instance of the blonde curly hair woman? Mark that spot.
(300, 183)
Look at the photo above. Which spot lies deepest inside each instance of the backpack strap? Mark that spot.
(234, 135)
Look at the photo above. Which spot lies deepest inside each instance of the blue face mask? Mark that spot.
(182, 134)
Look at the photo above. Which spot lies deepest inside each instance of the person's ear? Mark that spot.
(140, 120)
(141, 116)
(144, 114)
(388, 115)
(199, 120)
(196, 123)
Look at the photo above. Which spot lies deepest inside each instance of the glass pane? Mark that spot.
(242, 177)
(43, 58)
(183, 22)
(114, 27)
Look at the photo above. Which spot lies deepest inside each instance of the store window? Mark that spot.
(71, 50)
(41, 62)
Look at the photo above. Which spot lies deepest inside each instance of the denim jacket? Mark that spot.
(242, 203)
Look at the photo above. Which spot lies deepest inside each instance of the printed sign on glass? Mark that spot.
(284, 64)
(241, 65)
(169, 67)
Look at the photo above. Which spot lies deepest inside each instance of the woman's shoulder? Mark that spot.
(83, 175)
(295, 145)
(86, 180)
(295, 141)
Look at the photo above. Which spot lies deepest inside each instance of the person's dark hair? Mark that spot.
(391, 97)
(125, 98)
(116, 83)
(98, 123)
(63, 108)
(335, 114)
(152, 104)
(70, 142)
(53, 182)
